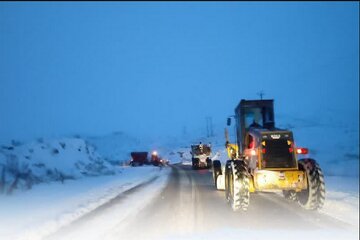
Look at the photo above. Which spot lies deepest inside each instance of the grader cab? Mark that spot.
(266, 158)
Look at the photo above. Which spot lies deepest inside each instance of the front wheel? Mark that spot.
(216, 171)
(237, 185)
(209, 163)
(313, 197)
(195, 163)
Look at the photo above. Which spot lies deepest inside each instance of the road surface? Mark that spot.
(190, 206)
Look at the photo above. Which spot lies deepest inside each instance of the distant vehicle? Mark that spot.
(200, 156)
(265, 158)
(155, 159)
(141, 158)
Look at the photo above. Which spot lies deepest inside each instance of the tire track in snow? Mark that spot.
(92, 216)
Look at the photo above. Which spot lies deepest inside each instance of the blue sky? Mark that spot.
(151, 68)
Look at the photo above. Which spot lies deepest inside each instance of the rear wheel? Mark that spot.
(208, 163)
(195, 163)
(134, 164)
(216, 171)
(313, 197)
(237, 184)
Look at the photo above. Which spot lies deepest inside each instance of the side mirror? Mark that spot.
(228, 121)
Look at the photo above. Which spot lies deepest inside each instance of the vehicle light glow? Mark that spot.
(302, 150)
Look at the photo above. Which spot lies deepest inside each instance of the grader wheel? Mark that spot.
(313, 197)
(237, 184)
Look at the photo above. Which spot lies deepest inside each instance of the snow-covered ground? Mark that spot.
(48, 207)
(342, 193)
(342, 199)
(232, 233)
(47, 184)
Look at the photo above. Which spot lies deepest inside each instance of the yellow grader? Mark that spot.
(265, 158)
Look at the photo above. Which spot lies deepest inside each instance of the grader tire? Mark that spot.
(195, 163)
(209, 163)
(313, 197)
(216, 171)
(227, 179)
(237, 184)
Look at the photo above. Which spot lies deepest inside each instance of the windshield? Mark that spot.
(253, 116)
(197, 150)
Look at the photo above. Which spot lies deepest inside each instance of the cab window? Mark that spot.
(253, 115)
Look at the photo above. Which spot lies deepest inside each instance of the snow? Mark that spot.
(342, 199)
(24, 165)
(85, 174)
(116, 147)
(50, 206)
(334, 144)
(231, 233)
(107, 224)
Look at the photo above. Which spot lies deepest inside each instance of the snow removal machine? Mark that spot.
(155, 159)
(141, 158)
(265, 158)
(200, 156)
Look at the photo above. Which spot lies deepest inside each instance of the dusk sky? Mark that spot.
(151, 68)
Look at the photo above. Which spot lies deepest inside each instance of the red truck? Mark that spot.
(141, 158)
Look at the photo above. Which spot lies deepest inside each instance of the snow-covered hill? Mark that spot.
(23, 165)
(116, 147)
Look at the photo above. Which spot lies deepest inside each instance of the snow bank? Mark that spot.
(24, 165)
(50, 206)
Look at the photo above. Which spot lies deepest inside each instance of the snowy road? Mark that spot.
(189, 207)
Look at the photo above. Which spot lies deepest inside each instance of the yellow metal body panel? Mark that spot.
(252, 187)
(232, 150)
(279, 180)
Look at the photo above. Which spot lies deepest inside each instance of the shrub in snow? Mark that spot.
(7, 147)
(62, 144)
(55, 151)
